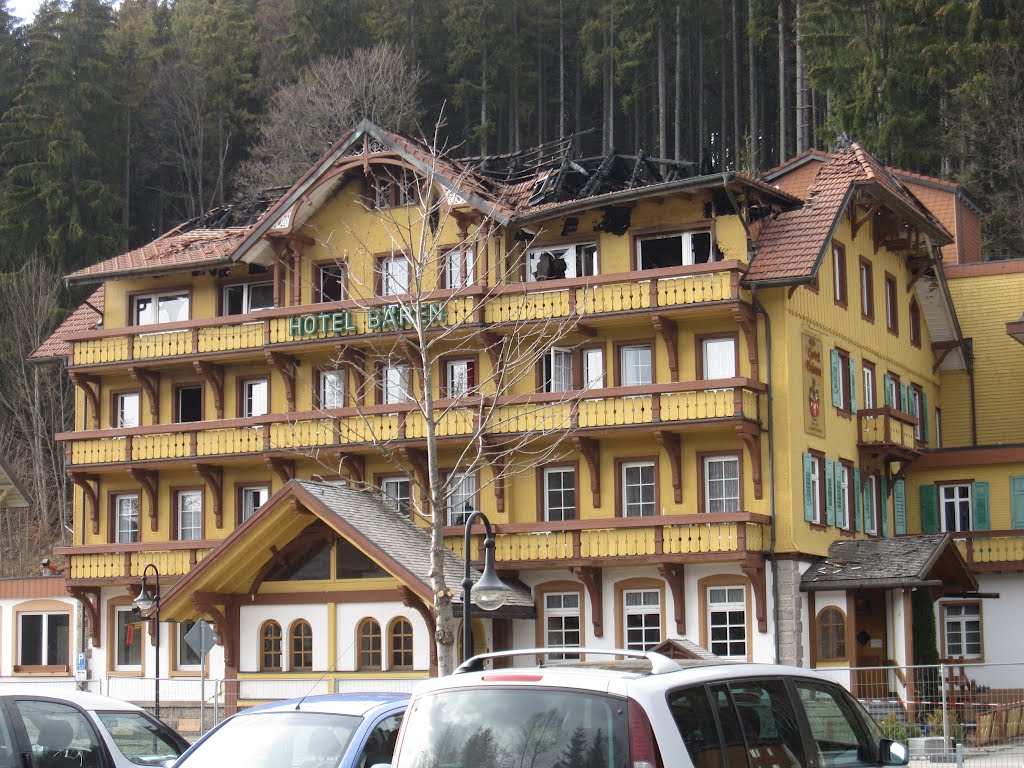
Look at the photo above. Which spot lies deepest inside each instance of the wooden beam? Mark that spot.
(593, 580)
(89, 597)
(669, 335)
(150, 383)
(673, 575)
(90, 387)
(283, 468)
(744, 316)
(285, 365)
(670, 441)
(754, 568)
(213, 375)
(750, 434)
(591, 451)
(90, 485)
(213, 475)
(147, 478)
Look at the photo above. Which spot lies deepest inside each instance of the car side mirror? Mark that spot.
(894, 752)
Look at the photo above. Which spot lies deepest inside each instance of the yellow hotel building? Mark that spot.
(684, 402)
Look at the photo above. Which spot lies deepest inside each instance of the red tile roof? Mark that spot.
(85, 318)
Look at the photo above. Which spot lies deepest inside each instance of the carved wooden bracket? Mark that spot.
(671, 443)
(591, 451)
(744, 316)
(283, 468)
(753, 567)
(593, 580)
(417, 461)
(147, 478)
(410, 600)
(355, 466)
(492, 344)
(89, 597)
(90, 485)
(214, 477)
(213, 375)
(670, 335)
(495, 457)
(90, 387)
(355, 361)
(750, 434)
(150, 382)
(285, 365)
(673, 575)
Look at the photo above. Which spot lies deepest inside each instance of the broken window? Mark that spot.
(675, 249)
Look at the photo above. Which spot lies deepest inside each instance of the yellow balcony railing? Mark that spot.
(118, 561)
(886, 428)
(992, 550)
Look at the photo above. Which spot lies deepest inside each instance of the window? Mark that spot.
(458, 268)
(831, 634)
(254, 398)
(770, 728)
(331, 279)
(562, 621)
(270, 647)
(189, 510)
(956, 507)
(126, 409)
(561, 261)
(867, 291)
(186, 657)
(351, 563)
(395, 383)
(727, 622)
(675, 249)
(43, 639)
(128, 643)
(721, 484)
(915, 323)
(843, 379)
(916, 403)
(126, 518)
(400, 644)
(461, 492)
(61, 736)
(397, 493)
(868, 373)
(332, 389)
(962, 626)
(892, 317)
(247, 297)
(892, 390)
(593, 368)
(814, 490)
(718, 358)
(394, 190)
(301, 646)
(253, 497)
(844, 491)
(836, 726)
(160, 308)
(639, 498)
(559, 493)
(394, 275)
(642, 613)
(188, 403)
(839, 274)
(871, 504)
(557, 370)
(938, 427)
(459, 378)
(369, 645)
(635, 369)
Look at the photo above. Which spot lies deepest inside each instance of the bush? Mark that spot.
(956, 729)
(898, 730)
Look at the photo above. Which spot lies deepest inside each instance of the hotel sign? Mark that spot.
(393, 317)
(812, 355)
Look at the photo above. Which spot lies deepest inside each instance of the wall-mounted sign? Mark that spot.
(392, 317)
(811, 394)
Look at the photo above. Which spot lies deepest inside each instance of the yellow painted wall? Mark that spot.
(996, 475)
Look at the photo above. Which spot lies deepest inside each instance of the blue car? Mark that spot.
(353, 730)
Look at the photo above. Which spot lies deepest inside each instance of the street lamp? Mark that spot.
(489, 591)
(144, 603)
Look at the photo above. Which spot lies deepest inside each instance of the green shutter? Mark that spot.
(830, 493)
(887, 386)
(929, 509)
(808, 495)
(858, 500)
(979, 503)
(923, 416)
(904, 398)
(837, 388)
(1017, 501)
(883, 509)
(853, 385)
(899, 506)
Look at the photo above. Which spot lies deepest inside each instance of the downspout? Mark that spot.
(759, 309)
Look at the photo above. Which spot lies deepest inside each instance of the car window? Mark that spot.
(380, 744)
(769, 724)
(138, 738)
(695, 718)
(8, 749)
(837, 730)
(60, 735)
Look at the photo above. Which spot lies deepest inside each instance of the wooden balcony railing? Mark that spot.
(886, 428)
(679, 404)
(113, 561)
(992, 550)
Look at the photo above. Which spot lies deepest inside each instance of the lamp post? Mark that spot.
(490, 591)
(144, 603)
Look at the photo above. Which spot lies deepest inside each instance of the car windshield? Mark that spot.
(495, 728)
(141, 740)
(276, 740)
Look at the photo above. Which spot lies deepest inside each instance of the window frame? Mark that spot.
(621, 347)
(365, 657)
(892, 308)
(947, 485)
(829, 643)
(177, 495)
(156, 296)
(701, 343)
(448, 391)
(301, 652)
(867, 290)
(246, 286)
(541, 591)
(703, 480)
(585, 381)
(868, 372)
(384, 277)
(974, 658)
(384, 387)
(466, 263)
(450, 497)
(115, 516)
(322, 374)
(115, 667)
(380, 481)
(117, 398)
(244, 383)
(726, 581)
(845, 371)
(817, 480)
(44, 609)
(543, 472)
(872, 515)
(179, 387)
(623, 464)
(240, 492)
(573, 253)
(548, 369)
(914, 323)
(322, 268)
(840, 292)
(686, 245)
(845, 470)
(915, 398)
(179, 644)
(407, 647)
(622, 589)
(264, 653)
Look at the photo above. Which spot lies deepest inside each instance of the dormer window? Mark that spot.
(555, 262)
(675, 249)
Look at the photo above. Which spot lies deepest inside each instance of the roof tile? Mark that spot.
(85, 318)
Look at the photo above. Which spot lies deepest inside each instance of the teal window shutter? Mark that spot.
(808, 491)
(904, 398)
(858, 501)
(853, 385)
(830, 494)
(899, 506)
(979, 502)
(929, 509)
(837, 387)
(1017, 501)
(923, 416)
(887, 386)
(883, 509)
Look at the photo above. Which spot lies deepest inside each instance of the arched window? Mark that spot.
(400, 643)
(301, 637)
(369, 644)
(831, 634)
(270, 647)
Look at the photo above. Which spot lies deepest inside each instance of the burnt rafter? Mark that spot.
(753, 566)
(213, 375)
(147, 479)
(285, 365)
(744, 316)
(90, 485)
(670, 335)
(750, 434)
(90, 387)
(594, 582)
(89, 597)
(213, 476)
(671, 442)
(591, 452)
(150, 383)
(672, 573)
(283, 468)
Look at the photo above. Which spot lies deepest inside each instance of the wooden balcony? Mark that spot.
(673, 406)
(987, 551)
(280, 328)
(124, 563)
(886, 435)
